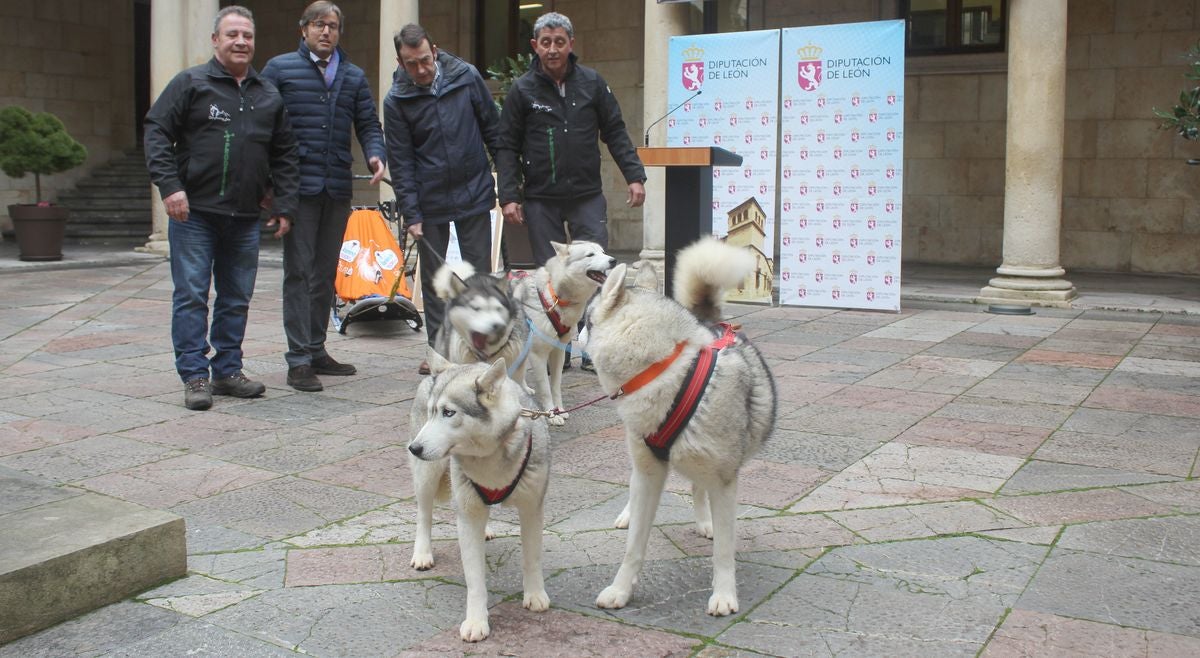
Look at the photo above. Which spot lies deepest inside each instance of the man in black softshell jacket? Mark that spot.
(441, 124)
(549, 156)
(218, 143)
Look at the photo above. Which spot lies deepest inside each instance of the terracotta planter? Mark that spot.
(39, 230)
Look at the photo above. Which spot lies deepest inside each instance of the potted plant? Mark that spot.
(1184, 117)
(37, 144)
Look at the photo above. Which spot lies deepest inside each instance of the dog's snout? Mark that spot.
(612, 262)
(415, 449)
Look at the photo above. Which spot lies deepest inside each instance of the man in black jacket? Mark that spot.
(327, 98)
(441, 124)
(552, 117)
(217, 143)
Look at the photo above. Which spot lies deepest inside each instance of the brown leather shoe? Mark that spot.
(424, 368)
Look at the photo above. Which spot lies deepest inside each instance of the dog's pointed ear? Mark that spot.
(647, 276)
(613, 291)
(437, 363)
(489, 382)
(503, 282)
(560, 249)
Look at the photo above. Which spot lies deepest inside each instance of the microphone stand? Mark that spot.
(646, 139)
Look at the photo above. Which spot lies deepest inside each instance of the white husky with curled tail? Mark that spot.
(648, 346)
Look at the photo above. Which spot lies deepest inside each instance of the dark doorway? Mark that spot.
(141, 64)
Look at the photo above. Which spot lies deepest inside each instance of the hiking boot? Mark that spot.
(327, 365)
(197, 394)
(238, 386)
(423, 369)
(302, 378)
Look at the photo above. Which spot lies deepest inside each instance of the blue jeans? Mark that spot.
(221, 251)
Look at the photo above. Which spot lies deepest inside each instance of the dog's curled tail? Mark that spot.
(450, 280)
(705, 270)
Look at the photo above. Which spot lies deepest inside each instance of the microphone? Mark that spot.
(647, 137)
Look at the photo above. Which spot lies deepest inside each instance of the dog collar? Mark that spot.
(552, 312)
(497, 496)
(688, 397)
(649, 374)
(558, 301)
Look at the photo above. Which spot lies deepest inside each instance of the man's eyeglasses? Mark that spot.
(321, 25)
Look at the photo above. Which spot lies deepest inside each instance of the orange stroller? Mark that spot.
(371, 279)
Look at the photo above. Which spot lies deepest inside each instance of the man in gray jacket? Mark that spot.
(441, 124)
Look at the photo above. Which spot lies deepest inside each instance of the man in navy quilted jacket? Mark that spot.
(326, 96)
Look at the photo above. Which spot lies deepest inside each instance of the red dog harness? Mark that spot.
(552, 311)
(688, 397)
(497, 496)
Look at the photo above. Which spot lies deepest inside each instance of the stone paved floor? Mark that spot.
(943, 482)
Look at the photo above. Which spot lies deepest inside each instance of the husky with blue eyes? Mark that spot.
(474, 442)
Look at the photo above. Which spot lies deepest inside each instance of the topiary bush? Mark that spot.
(36, 144)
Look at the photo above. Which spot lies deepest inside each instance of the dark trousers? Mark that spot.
(310, 258)
(587, 219)
(221, 252)
(475, 244)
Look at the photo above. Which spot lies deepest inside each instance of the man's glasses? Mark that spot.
(321, 25)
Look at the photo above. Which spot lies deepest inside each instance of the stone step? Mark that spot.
(62, 558)
(78, 203)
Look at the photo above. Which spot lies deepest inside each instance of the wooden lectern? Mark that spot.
(689, 193)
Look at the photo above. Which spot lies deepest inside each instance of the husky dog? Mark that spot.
(555, 297)
(474, 442)
(645, 346)
(483, 321)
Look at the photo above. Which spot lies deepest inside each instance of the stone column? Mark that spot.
(662, 21)
(1037, 71)
(393, 15)
(180, 36)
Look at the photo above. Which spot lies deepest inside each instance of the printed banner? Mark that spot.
(738, 77)
(841, 161)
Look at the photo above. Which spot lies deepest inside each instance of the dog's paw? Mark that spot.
(562, 414)
(488, 533)
(538, 601)
(720, 605)
(612, 597)
(622, 522)
(704, 529)
(557, 421)
(422, 561)
(474, 630)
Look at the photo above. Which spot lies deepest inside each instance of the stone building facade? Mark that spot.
(1128, 200)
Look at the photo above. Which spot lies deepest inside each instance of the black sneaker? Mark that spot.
(302, 378)
(238, 386)
(585, 364)
(197, 394)
(327, 365)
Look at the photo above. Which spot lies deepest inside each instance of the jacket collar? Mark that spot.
(215, 69)
(535, 65)
(306, 54)
(452, 68)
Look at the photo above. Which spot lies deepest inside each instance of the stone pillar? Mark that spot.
(180, 36)
(1037, 71)
(662, 21)
(393, 15)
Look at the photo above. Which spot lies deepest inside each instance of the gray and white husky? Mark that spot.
(555, 297)
(632, 332)
(484, 321)
(473, 442)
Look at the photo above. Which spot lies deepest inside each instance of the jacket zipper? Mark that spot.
(228, 139)
(553, 162)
